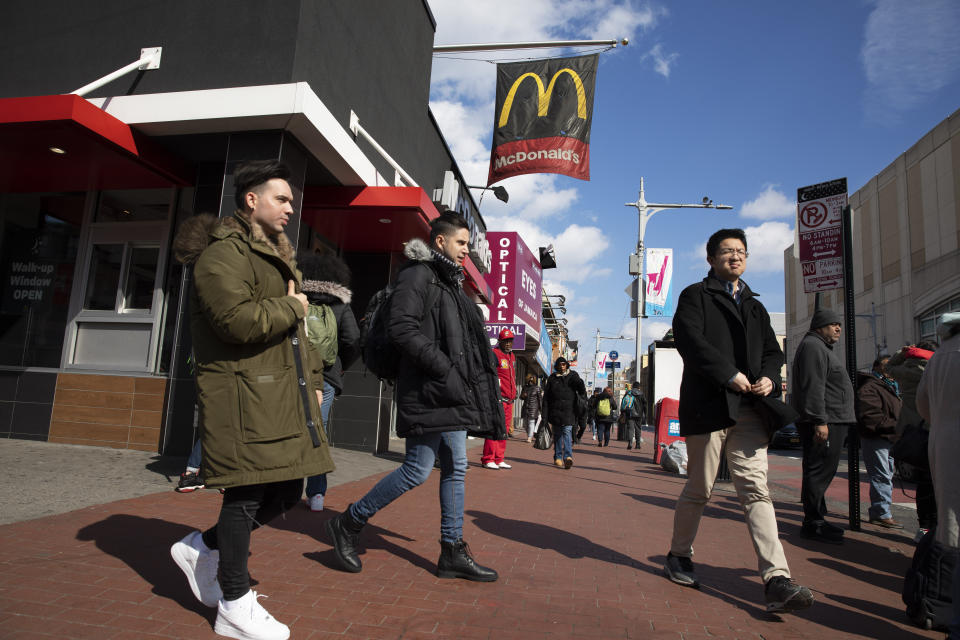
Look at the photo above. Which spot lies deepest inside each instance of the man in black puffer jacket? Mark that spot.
(560, 399)
(447, 386)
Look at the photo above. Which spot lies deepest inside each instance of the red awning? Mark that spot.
(99, 151)
(377, 219)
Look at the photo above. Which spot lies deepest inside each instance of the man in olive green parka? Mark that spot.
(256, 389)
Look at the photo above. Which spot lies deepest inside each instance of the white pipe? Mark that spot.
(149, 59)
(358, 130)
(491, 46)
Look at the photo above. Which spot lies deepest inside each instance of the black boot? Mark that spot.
(456, 562)
(345, 534)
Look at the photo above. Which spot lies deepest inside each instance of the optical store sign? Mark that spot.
(516, 279)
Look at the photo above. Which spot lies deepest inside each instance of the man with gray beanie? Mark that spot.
(823, 396)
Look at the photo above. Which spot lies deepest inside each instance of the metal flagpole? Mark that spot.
(493, 46)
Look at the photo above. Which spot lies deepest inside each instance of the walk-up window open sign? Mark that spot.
(819, 227)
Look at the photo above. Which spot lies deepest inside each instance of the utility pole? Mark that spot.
(645, 211)
(596, 352)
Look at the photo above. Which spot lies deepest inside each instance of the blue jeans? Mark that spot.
(603, 431)
(193, 462)
(879, 464)
(451, 448)
(318, 484)
(563, 442)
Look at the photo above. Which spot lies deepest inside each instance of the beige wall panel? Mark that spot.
(931, 223)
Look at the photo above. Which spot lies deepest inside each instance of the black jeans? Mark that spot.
(926, 503)
(820, 462)
(243, 510)
(604, 428)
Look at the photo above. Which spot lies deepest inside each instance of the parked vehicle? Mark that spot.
(786, 438)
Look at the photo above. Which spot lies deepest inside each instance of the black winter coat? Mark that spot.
(447, 379)
(559, 398)
(717, 338)
(338, 297)
(878, 407)
(820, 389)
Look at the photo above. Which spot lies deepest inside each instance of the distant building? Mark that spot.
(906, 250)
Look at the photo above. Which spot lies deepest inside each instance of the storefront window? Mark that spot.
(106, 261)
(39, 235)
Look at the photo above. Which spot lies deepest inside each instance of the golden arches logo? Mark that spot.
(543, 97)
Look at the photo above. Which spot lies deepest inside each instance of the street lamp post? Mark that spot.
(645, 211)
(596, 352)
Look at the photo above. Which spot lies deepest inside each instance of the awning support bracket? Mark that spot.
(149, 59)
(399, 175)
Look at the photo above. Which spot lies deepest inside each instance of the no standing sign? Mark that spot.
(819, 210)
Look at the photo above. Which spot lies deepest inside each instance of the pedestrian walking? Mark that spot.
(592, 410)
(446, 386)
(326, 283)
(731, 365)
(532, 396)
(906, 367)
(494, 450)
(605, 416)
(878, 410)
(560, 397)
(633, 411)
(824, 397)
(256, 392)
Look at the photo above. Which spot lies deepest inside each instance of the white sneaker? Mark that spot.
(491, 465)
(247, 620)
(504, 465)
(594, 436)
(316, 502)
(199, 567)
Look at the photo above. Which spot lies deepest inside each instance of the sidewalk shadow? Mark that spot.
(716, 508)
(541, 536)
(168, 466)
(143, 544)
(888, 581)
(304, 521)
(867, 620)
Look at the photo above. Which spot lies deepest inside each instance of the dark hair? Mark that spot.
(722, 235)
(878, 363)
(635, 385)
(926, 345)
(326, 266)
(446, 224)
(250, 175)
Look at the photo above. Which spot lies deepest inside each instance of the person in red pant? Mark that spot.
(493, 450)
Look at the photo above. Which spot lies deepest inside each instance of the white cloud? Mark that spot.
(766, 244)
(650, 329)
(769, 204)
(662, 62)
(576, 248)
(910, 51)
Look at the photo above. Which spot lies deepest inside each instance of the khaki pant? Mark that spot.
(746, 448)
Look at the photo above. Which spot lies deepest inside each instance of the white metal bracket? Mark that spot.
(149, 59)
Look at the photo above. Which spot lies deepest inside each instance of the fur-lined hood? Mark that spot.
(325, 287)
(196, 233)
(418, 251)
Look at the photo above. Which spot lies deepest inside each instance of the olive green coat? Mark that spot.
(256, 374)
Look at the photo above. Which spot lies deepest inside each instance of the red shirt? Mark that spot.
(506, 370)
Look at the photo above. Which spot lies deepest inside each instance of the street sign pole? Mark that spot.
(853, 448)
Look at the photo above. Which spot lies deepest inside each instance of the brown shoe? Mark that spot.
(886, 523)
(568, 463)
(558, 462)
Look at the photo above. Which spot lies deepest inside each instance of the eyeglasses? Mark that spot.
(726, 253)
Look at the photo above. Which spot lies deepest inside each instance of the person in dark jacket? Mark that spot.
(326, 281)
(532, 396)
(255, 389)
(633, 410)
(560, 409)
(447, 386)
(605, 414)
(592, 410)
(906, 366)
(731, 366)
(823, 396)
(878, 409)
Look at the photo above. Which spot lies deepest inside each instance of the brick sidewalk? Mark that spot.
(579, 554)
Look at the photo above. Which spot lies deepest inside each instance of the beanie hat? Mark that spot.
(823, 317)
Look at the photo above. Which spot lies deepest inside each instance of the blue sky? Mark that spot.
(742, 102)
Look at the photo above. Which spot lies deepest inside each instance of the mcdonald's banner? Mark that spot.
(542, 118)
